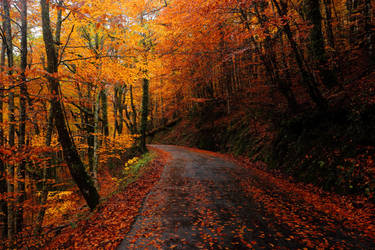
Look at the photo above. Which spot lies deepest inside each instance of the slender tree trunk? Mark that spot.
(44, 195)
(83, 118)
(272, 66)
(94, 170)
(76, 167)
(58, 25)
(144, 114)
(3, 182)
(90, 128)
(3, 202)
(22, 120)
(369, 26)
(134, 111)
(11, 118)
(104, 109)
(115, 111)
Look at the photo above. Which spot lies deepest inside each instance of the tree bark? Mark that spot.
(3, 182)
(134, 111)
(307, 77)
(11, 118)
(270, 64)
(76, 167)
(94, 170)
(22, 120)
(328, 23)
(369, 26)
(317, 50)
(89, 120)
(104, 109)
(144, 114)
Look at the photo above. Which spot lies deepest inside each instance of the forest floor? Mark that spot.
(107, 225)
(206, 200)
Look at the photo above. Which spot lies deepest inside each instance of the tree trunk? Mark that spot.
(11, 118)
(3, 182)
(328, 23)
(273, 66)
(144, 113)
(317, 50)
(94, 170)
(134, 111)
(44, 195)
(369, 26)
(115, 110)
(104, 109)
(307, 77)
(76, 167)
(269, 61)
(89, 120)
(22, 120)
(3, 202)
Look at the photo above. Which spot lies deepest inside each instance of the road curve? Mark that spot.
(197, 204)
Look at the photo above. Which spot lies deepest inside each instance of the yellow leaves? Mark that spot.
(59, 195)
(131, 161)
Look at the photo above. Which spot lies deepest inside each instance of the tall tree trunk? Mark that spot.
(328, 23)
(270, 64)
(144, 114)
(44, 194)
(353, 26)
(317, 50)
(3, 202)
(76, 167)
(90, 128)
(134, 111)
(270, 60)
(307, 77)
(115, 110)
(83, 118)
(104, 109)
(11, 118)
(369, 26)
(3, 182)
(94, 170)
(22, 120)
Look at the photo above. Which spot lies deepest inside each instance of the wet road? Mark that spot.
(197, 204)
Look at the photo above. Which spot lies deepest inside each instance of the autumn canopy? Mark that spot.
(85, 84)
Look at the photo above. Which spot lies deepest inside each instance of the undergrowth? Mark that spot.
(133, 169)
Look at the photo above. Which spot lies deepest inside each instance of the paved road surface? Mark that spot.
(198, 205)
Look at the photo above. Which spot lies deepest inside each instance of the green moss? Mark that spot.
(131, 172)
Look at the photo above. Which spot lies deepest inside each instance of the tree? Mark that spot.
(71, 156)
(144, 114)
(11, 116)
(22, 119)
(317, 46)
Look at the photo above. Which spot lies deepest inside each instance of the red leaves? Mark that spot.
(308, 211)
(106, 227)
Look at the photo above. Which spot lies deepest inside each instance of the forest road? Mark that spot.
(197, 204)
